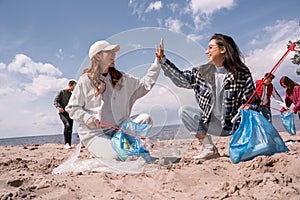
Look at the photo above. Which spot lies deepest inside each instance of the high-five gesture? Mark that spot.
(160, 51)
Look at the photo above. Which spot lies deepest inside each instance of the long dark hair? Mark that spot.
(288, 82)
(94, 75)
(233, 59)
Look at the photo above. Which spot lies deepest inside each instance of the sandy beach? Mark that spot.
(26, 173)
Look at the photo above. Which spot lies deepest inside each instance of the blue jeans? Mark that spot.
(266, 112)
(191, 117)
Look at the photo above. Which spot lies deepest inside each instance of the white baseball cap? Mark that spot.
(102, 45)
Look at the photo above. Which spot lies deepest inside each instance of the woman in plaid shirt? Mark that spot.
(221, 87)
(292, 94)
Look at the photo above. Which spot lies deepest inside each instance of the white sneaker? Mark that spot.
(208, 152)
(67, 146)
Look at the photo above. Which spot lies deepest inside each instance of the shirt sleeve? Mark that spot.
(150, 78)
(249, 90)
(79, 102)
(145, 84)
(180, 78)
(57, 100)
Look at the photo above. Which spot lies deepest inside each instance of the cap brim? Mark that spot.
(114, 47)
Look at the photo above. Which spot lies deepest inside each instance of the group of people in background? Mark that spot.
(221, 87)
(265, 89)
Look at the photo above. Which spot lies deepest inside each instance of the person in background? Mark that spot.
(60, 102)
(264, 90)
(105, 94)
(292, 94)
(221, 87)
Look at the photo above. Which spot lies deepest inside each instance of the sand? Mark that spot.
(26, 173)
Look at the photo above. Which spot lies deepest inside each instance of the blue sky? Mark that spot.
(45, 43)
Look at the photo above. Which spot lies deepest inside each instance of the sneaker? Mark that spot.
(67, 146)
(208, 152)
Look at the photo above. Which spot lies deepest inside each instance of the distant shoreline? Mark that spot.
(164, 132)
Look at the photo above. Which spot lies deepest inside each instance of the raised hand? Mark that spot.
(160, 51)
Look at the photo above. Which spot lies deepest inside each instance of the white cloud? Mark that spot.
(23, 64)
(254, 41)
(195, 37)
(173, 25)
(274, 40)
(201, 11)
(6, 90)
(154, 6)
(194, 14)
(2, 66)
(43, 85)
(28, 120)
(173, 6)
(262, 60)
(138, 8)
(281, 30)
(34, 77)
(30, 87)
(209, 7)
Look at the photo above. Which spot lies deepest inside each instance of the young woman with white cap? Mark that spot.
(105, 94)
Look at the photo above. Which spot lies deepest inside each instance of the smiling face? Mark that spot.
(215, 53)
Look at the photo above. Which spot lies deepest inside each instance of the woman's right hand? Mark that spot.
(92, 122)
(160, 51)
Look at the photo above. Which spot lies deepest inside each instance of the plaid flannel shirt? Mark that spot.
(202, 80)
(292, 95)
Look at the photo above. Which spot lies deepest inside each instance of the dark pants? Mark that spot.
(68, 126)
(266, 112)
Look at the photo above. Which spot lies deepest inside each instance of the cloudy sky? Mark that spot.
(45, 43)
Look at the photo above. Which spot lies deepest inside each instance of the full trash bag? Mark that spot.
(255, 136)
(130, 141)
(287, 118)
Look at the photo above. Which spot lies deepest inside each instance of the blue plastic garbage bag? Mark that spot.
(131, 143)
(255, 136)
(287, 118)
